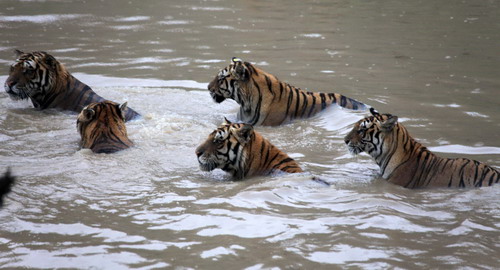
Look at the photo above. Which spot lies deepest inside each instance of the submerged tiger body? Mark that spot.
(102, 127)
(243, 152)
(405, 162)
(38, 76)
(265, 100)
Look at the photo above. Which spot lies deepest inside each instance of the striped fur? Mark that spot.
(265, 100)
(239, 150)
(405, 162)
(102, 127)
(46, 82)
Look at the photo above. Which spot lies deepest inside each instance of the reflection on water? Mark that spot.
(432, 64)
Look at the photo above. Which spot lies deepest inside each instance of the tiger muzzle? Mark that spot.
(217, 98)
(199, 154)
(215, 91)
(13, 91)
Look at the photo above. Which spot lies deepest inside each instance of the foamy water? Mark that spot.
(151, 207)
(109, 211)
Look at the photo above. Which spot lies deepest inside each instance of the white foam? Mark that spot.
(105, 81)
(463, 149)
(47, 18)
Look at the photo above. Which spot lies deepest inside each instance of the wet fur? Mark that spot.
(405, 162)
(38, 76)
(239, 150)
(102, 127)
(265, 100)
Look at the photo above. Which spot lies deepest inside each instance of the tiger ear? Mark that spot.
(245, 133)
(236, 59)
(18, 52)
(374, 112)
(239, 70)
(123, 109)
(226, 122)
(50, 61)
(87, 115)
(389, 124)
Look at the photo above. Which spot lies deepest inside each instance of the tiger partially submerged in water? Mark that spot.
(243, 152)
(405, 162)
(265, 100)
(102, 127)
(38, 76)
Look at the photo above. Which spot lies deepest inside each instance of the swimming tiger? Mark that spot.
(243, 152)
(46, 82)
(406, 162)
(102, 127)
(6, 181)
(265, 100)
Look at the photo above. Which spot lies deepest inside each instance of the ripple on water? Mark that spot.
(46, 18)
(342, 254)
(120, 209)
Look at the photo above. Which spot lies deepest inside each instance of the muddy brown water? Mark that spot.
(435, 64)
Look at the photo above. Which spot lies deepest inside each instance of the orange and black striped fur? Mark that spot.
(102, 127)
(46, 82)
(241, 151)
(405, 162)
(265, 100)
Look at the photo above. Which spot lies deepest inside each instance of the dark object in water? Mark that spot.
(320, 181)
(6, 181)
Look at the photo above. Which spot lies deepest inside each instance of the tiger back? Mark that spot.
(406, 162)
(243, 152)
(38, 76)
(102, 127)
(265, 100)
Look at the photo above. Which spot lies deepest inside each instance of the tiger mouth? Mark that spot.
(354, 149)
(207, 166)
(217, 98)
(16, 95)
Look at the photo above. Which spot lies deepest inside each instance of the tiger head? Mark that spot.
(369, 133)
(228, 80)
(33, 75)
(102, 127)
(224, 148)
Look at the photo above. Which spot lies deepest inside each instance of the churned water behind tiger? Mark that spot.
(433, 64)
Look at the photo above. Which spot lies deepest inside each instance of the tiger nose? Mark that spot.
(211, 85)
(198, 152)
(10, 83)
(346, 141)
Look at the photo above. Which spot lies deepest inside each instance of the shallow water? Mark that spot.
(434, 64)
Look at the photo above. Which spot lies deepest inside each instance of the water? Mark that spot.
(434, 64)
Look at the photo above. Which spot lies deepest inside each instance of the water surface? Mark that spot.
(434, 64)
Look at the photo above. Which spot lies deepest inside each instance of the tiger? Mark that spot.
(265, 100)
(6, 182)
(406, 162)
(102, 127)
(238, 149)
(38, 76)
